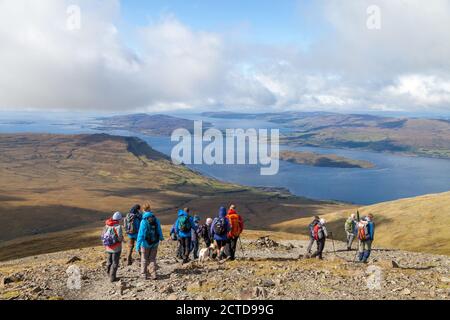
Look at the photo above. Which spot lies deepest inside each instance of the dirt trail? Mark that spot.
(273, 272)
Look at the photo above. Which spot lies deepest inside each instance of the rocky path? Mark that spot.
(265, 270)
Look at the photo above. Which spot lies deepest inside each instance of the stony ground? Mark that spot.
(265, 270)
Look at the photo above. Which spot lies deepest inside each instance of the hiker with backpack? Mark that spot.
(174, 237)
(149, 237)
(311, 235)
(184, 225)
(204, 232)
(366, 235)
(351, 230)
(112, 238)
(320, 236)
(131, 226)
(220, 229)
(195, 239)
(236, 229)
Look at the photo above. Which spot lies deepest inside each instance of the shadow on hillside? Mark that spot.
(4, 198)
(16, 222)
(126, 192)
(51, 243)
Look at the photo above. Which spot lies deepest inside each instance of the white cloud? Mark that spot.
(403, 66)
(421, 90)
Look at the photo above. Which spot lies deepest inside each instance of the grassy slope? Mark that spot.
(414, 224)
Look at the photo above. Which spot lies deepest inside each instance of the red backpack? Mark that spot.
(318, 232)
(363, 232)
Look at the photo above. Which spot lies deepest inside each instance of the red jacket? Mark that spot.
(236, 222)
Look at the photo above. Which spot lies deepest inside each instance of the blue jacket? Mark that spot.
(194, 234)
(180, 233)
(143, 229)
(371, 227)
(222, 214)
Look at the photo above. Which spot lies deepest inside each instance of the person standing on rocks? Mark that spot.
(320, 236)
(112, 238)
(184, 225)
(311, 235)
(220, 229)
(195, 239)
(236, 229)
(149, 237)
(366, 236)
(351, 230)
(131, 225)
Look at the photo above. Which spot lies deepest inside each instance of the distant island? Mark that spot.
(410, 136)
(324, 160)
(147, 124)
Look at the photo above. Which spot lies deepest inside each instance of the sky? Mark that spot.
(210, 55)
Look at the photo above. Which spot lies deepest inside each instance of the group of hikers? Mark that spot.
(219, 235)
(363, 229)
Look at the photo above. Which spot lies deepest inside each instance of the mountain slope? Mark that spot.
(416, 224)
(52, 183)
(423, 137)
(266, 270)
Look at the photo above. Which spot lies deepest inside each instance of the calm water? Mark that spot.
(394, 176)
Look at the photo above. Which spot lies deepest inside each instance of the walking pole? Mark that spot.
(332, 240)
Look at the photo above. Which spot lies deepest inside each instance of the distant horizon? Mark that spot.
(398, 114)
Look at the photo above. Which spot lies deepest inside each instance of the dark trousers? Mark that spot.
(232, 245)
(195, 248)
(180, 249)
(131, 248)
(185, 248)
(222, 247)
(208, 242)
(112, 264)
(320, 247)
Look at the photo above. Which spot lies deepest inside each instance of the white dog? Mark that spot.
(206, 253)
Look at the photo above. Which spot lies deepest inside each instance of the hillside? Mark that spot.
(413, 136)
(324, 160)
(417, 224)
(267, 269)
(52, 183)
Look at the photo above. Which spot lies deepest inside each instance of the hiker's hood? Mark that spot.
(147, 215)
(182, 213)
(232, 211)
(222, 212)
(135, 209)
(111, 223)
